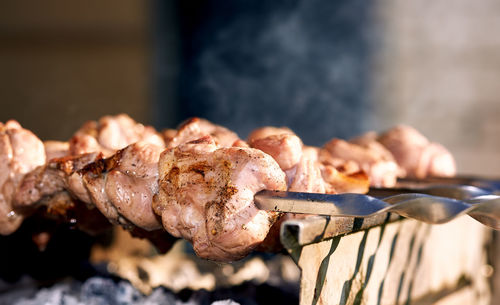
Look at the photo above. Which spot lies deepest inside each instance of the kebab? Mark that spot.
(209, 202)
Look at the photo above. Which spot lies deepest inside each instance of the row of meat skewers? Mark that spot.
(196, 182)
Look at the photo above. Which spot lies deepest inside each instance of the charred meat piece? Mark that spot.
(416, 155)
(196, 128)
(206, 196)
(110, 134)
(20, 152)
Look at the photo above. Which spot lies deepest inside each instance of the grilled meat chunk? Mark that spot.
(416, 155)
(123, 185)
(371, 159)
(56, 176)
(110, 134)
(196, 128)
(20, 152)
(282, 144)
(206, 196)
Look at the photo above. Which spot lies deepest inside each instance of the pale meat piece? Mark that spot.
(206, 196)
(305, 176)
(380, 167)
(56, 149)
(110, 134)
(416, 155)
(267, 131)
(122, 186)
(20, 152)
(195, 128)
(285, 148)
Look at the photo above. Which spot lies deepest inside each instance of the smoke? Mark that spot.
(303, 64)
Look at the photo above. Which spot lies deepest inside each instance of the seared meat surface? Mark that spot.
(206, 196)
(20, 152)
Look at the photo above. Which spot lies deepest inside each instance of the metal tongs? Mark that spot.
(430, 203)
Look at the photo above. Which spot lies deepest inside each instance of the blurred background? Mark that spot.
(324, 68)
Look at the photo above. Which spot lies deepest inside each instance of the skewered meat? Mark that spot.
(202, 186)
(20, 152)
(110, 134)
(416, 155)
(196, 128)
(376, 163)
(123, 185)
(57, 176)
(206, 196)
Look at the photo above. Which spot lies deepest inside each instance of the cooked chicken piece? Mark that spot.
(416, 155)
(196, 128)
(206, 196)
(20, 152)
(379, 166)
(110, 134)
(122, 186)
(56, 149)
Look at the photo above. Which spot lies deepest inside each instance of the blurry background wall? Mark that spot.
(324, 68)
(65, 62)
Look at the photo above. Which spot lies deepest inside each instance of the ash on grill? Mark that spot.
(119, 269)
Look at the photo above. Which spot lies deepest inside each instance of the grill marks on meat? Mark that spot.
(206, 196)
(112, 133)
(20, 152)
